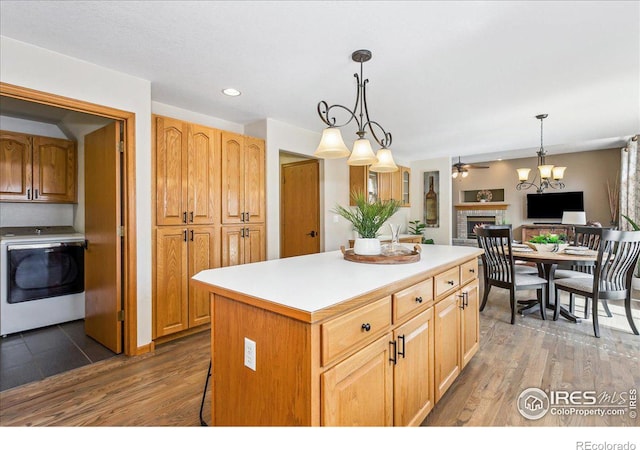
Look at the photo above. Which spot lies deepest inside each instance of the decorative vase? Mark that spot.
(366, 246)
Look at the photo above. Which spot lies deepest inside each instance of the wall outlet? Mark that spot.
(250, 354)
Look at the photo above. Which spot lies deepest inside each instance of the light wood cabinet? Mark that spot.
(413, 372)
(385, 362)
(191, 166)
(243, 181)
(366, 376)
(457, 325)
(180, 304)
(37, 169)
(187, 173)
(243, 244)
(385, 185)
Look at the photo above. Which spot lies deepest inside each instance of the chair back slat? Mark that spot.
(587, 237)
(618, 253)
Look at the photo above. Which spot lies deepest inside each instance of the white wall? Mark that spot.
(441, 235)
(334, 184)
(174, 112)
(23, 64)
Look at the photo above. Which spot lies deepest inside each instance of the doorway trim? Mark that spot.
(128, 198)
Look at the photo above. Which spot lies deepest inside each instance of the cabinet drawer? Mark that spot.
(468, 271)
(447, 281)
(354, 329)
(413, 299)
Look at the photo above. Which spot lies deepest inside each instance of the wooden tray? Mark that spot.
(382, 259)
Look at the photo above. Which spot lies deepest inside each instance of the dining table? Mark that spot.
(547, 263)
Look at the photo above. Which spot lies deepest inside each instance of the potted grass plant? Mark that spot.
(548, 242)
(367, 217)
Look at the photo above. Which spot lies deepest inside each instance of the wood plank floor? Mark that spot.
(165, 388)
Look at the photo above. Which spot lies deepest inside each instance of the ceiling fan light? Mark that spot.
(454, 174)
(523, 174)
(331, 145)
(362, 154)
(545, 171)
(384, 162)
(558, 172)
(465, 173)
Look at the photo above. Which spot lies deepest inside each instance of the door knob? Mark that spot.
(312, 234)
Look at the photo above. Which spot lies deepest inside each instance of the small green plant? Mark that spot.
(368, 216)
(549, 239)
(416, 227)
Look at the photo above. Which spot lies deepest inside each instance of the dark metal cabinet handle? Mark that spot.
(402, 353)
(36, 194)
(466, 299)
(393, 358)
(419, 299)
(241, 217)
(242, 232)
(184, 217)
(462, 301)
(246, 234)
(184, 235)
(451, 282)
(366, 327)
(247, 216)
(191, 235)
(472, 270)
(28, 194)
(191, 216)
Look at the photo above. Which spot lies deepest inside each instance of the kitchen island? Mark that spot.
(318, 340)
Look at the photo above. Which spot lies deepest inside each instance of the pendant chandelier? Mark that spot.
(332, 145)
(550, 175)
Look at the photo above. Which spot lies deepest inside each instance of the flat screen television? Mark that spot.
(552, 205)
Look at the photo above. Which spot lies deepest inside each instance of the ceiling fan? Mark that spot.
(462, 169)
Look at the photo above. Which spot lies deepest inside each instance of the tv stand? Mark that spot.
(547, 223)
(528, 231)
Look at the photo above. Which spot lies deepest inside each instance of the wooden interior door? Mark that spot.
(300, 208)
(103, 218)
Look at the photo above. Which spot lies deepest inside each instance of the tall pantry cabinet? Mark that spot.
(189, 174)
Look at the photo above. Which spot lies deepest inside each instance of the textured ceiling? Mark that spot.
(446, 78)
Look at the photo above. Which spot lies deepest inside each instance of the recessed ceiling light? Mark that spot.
(231, 92)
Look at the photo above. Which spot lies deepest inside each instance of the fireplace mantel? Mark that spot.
(497, 206)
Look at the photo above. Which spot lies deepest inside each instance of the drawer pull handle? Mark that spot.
(402, 353)
(419, 299)
(394, 354)
(366, 327)
(462, 305)
(472, 270)
(184, 217)
(450, 282)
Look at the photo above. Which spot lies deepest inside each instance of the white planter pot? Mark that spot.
(366, 246)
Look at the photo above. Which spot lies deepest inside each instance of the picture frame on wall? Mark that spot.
(431, 196)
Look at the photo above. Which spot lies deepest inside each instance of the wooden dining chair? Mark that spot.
(618, 253)
(499, 268)
(588, 237)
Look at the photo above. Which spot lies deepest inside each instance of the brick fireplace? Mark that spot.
(470, 214)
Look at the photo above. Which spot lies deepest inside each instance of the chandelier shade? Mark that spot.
(550, 175)
(331, 145)
(362, 153)
(384, 162)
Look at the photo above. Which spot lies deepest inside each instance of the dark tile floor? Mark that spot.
(37, 354)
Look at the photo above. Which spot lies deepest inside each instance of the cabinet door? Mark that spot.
(254, 243)
(447, 343)
(15, 167)
(470, 323)
(171, 305)
(55, 172)
(171, 171)
(413, 392)
(232, 165)
(254, 204)
(203, 174)
(202, 251)
(232, 246)
(385, 186)
(405, 174)
(359, 390)
(396, 185)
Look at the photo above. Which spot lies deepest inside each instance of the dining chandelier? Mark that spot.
(332, 145)
(550, 175)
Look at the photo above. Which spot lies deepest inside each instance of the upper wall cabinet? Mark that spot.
(385, 186)
(243, 182)
(187, 172)
(37, 169)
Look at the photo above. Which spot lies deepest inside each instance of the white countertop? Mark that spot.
(314, 282)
